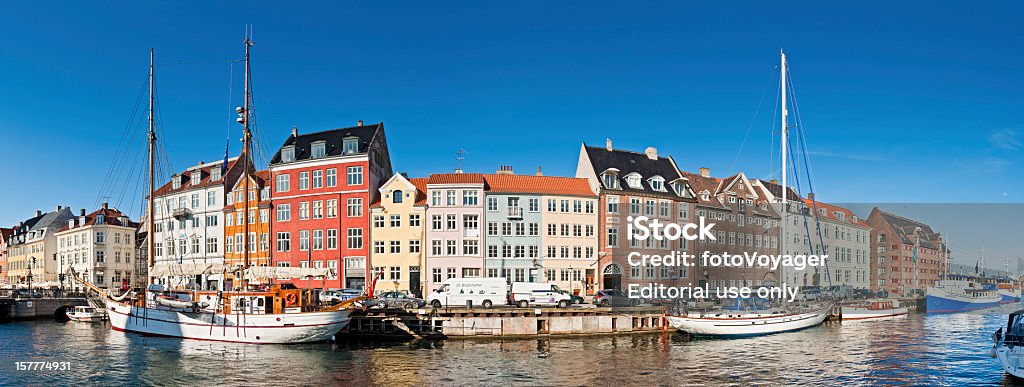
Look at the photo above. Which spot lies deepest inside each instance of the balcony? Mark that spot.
(181, 213)
(515, 212)
(471, 232)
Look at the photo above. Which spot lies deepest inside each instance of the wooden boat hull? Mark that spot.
(83, 318)
(285, 328)
(864, 314)
(750, 324)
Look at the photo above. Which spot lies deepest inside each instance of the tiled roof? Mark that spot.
(544, 185)
(628, 162)
(334, 139)
(456, 178)
(111, 216)
(5, 233)
(831, 209)
(776, 190)
(905, 227)
(204, 178)
(421, 190)
(702, 184)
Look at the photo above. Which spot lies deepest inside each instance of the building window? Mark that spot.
(303, 180)
(288, 154)
(436, 274)
(332, 239)
(378, 247)
(414, 246)
(282, 183)
(396, 220)
(470, 247)
(355, 238)
(318, 179)
(355, 207)
(450, 197)
(414, 220)
(613, 237)
(318, 209)
(215, 173)
(319, 150)
(284, 212)
(355, 175)
(303, 210)
(332, 177)
(395, 247)
(469, 198)
(304, 240)
(318, 239)
(396, 273)
(397, 196)
(492, 204)
(450, 247)
(350, 146)
(211, 198)
(332, 208)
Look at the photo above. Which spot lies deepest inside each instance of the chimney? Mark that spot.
(651, 152)
(39, 212)
(200, 163)
(295, 132)
(105, 205)
(539, 173)
(59, 207)
(608, 144)
(505, 170)
(82, 212)
(810, 196)
(705, 172)
(775, 181)
(359, 123)
(458, 170)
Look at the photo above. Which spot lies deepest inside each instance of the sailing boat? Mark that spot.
(755, 320)
(277, 314)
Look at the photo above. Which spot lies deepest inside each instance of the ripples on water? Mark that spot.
(918, 350)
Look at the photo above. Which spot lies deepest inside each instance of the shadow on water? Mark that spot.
(918, 350)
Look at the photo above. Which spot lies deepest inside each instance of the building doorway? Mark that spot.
(612, 277)
(414, 281)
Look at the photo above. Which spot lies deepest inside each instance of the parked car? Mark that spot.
(810, 293)
(333, 296)
(863, 294)
(841, 291)
(882, 294)
(612, 297)
(402, 300)
(525, 294)
(573, 299)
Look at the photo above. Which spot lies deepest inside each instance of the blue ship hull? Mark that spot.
(1008, 299)
(936, 304)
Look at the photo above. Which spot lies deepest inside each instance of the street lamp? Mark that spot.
(30, 265)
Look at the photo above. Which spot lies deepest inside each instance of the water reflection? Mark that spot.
(918, 350)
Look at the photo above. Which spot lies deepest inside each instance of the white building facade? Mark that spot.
(100, 247)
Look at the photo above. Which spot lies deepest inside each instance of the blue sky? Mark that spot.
(911, 103)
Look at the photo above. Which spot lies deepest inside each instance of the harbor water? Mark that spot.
(918, 350)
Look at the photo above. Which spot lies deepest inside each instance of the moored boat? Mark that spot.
(873, 310)
(725, 323)
(1008, 292)
(959, 293)
(1008, 345)
(86, 314)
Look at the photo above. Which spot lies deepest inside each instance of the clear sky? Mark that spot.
(901, 103)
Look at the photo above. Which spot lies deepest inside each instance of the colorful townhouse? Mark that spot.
(188, 222)
(541, 229)
(634, 184)
(745, 222)
(5, 238)
(99, 246)
(32, 251)
(455, 214)
(250, 227)
(322, 186)
(397, 232)
(906, 254)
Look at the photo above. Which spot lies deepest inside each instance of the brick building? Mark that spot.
(322, 186)
(893, 243)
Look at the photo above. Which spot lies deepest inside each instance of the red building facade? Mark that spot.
(322, 185)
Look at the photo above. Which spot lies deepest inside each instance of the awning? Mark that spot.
(185, 269)
(285, 272)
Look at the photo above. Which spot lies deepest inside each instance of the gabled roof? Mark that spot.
(204, 177)
(905, 228)
(627, 162)
(456, 178)
(831, 209)
(5, 233)
(421, 190)
(111, 217)
(543, 185)
(334, 139)
(776, 190)
(703, 184)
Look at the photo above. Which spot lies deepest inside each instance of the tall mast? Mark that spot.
(152, 140)
(246, 137)
(785, 114)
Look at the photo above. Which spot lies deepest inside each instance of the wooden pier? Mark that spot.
(506, 322)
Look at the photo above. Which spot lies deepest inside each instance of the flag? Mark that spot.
(181, 259)
(224, 166)
(976, 266)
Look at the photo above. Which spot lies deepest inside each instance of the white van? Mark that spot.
(539, 293)
(482, 291)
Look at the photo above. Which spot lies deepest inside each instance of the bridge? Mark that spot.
(41, 307)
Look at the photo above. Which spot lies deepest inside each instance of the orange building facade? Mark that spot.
(256, 223)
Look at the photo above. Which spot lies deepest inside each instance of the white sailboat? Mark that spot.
(757, 321)
(1008, 345)
(277, 314)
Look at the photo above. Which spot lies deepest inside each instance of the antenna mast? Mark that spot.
(152, 140)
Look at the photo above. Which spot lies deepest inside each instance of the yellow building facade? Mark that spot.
(396, 233)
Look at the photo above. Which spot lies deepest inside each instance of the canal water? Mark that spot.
(919, 350)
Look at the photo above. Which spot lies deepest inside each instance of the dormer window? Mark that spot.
(319, 150)
(265, 193)
(705, 196)
(350, 146)
(288, 154)
(657, 183)
(633, 181)
(823, 211)
(396, 196)
(195, 177)
(176, 182)
(100, 219)
(610, 180)
(215, 174)
(678, 188)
